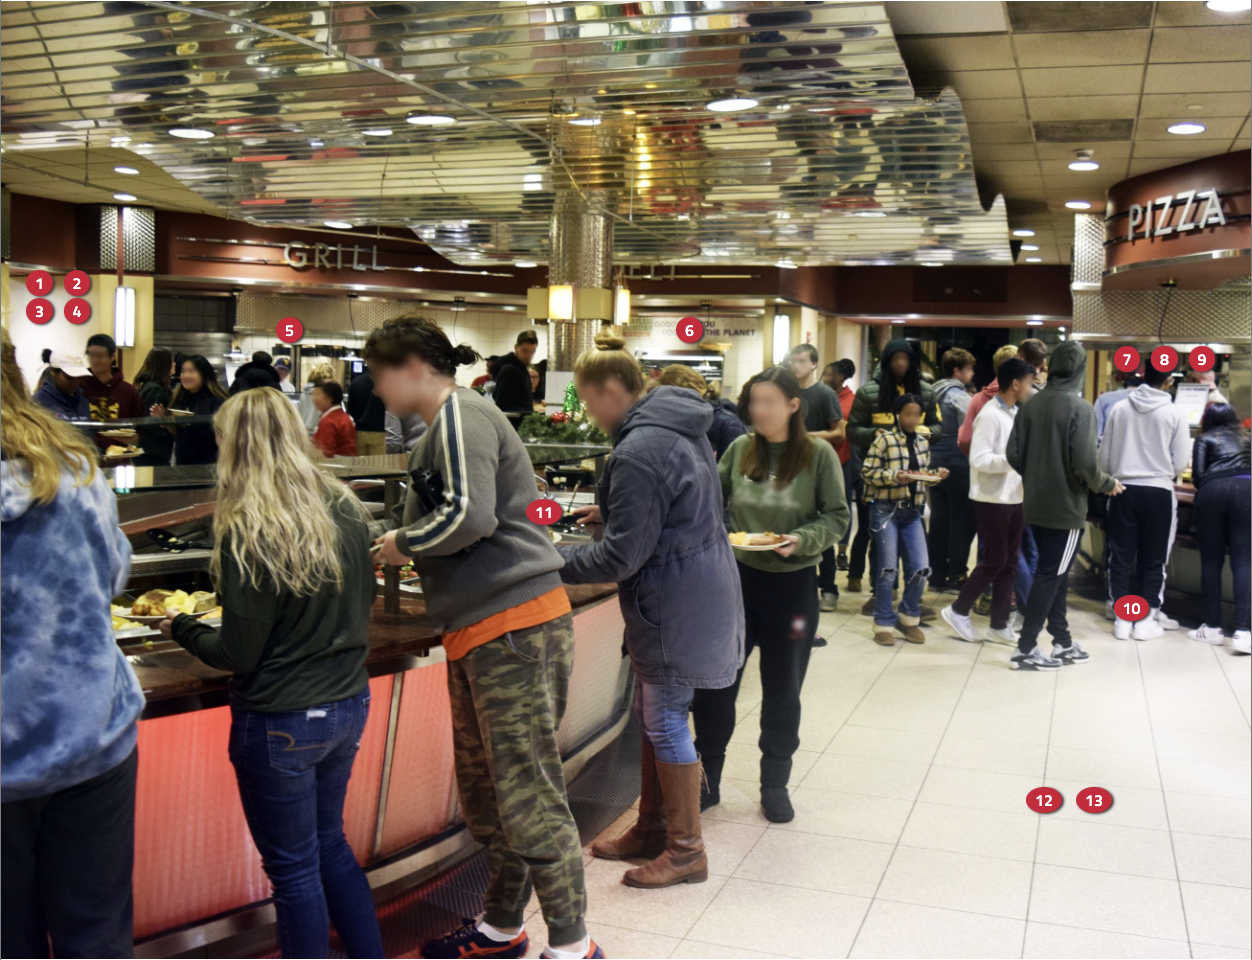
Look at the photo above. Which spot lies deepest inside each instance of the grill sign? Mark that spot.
(297, 255)
(1196, 209)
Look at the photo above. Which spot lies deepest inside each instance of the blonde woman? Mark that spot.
(70, 700)
(309, 413)
(291, 565)
(727, 425)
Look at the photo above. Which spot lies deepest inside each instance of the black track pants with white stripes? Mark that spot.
(1048, 594)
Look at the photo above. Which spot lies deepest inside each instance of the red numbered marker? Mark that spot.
(290, 329)
(1202, 359)
(1126, 359)
(78, 310)
(77, 283)
(1044, 800)
(1165, 359)
(1131, 607)
(39, 283)
(39, 310)
(1094, 800)
(543, 511)
(690, 330)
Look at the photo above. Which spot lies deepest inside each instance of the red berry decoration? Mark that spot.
(559, 418)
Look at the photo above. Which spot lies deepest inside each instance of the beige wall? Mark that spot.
(843, 338)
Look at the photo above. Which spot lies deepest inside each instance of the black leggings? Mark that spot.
(1221, 517)
(780, 611)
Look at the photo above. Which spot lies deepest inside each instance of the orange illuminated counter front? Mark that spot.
(198, 877)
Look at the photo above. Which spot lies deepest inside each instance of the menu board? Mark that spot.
(1192, 398)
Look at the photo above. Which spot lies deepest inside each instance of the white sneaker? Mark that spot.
(1016, 621)
(1241, 642)
(1122, 629)
(1207, 634)
(1147, 629)
(1166, 622)
(1006, 635)
(960, 625)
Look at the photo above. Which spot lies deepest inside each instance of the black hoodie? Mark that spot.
(866, 419)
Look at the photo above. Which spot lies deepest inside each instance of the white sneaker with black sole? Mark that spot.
(1071, 654)
(960, 625)
(1122, 629)
(1241, 642)
(1035, 660)
(1006, 635)
(1206, 634)
(1147, 629)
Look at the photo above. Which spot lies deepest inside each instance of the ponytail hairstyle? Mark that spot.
(608, 360)
(402, 337)
(799, 450)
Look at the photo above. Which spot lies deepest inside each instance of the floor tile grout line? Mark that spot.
(1034, 857)
(1229, 682)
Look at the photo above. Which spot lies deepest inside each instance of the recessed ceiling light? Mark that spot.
(1030, 246)
(930, 263)
(1034, 259)
(785, 264)
(253, 141)
(1084, 165)
(1229, 6)
(130, 171)
(337, 224)
(430, 120)
(317, 143)
(869, 213)
(119, 139)
(585, 121)
(1034, 323)
(190, 133)
(1186, 129)
(525, 264)
(1023, 233)
(125, 197)
(377, 132)
(1077, 205)
(731, 104)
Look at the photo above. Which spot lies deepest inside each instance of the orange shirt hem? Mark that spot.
(549, 606)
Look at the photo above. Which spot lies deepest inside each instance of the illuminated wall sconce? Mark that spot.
(621, 305)
(561, 302)
(782, 336)
(124, 316)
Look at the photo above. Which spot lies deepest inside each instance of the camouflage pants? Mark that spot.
(508, 697)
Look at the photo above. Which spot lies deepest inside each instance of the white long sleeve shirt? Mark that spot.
(991, 479)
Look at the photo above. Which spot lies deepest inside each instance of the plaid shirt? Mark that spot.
(888, 455)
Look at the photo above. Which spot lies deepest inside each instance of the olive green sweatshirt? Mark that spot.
(812, 506)
(290, 653)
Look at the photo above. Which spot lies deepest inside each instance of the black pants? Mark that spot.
(1223, 522)
(780, 610)
(860, 543)
(826, 572)
(1049, 592)
(952, 524)
(1140, 529)
(67, 861)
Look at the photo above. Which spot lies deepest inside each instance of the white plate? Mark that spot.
(179, 413)
(922, 478)
(757, 547)
(123, 456)
(556, 536)
(134, 633)
(127, 616)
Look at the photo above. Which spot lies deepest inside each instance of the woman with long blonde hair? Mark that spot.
(69, 701)
(292, 569)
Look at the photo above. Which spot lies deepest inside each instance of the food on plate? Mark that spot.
(154, 603)
(117, 450)
(121, 623)
(407, 572)
(755, 539)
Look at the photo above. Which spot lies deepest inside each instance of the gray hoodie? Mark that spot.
(1146, 441)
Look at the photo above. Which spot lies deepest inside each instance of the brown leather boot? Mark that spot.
(683, 860)
(646, 839)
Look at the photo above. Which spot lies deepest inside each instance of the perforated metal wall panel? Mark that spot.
(139, 231)
(261, 313)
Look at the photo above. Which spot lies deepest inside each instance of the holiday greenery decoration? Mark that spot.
(568, 425)
(572, 404)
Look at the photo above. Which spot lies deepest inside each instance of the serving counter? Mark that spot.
(198, 878)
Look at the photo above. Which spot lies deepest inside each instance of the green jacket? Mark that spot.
(1053, 446)
(864, 421)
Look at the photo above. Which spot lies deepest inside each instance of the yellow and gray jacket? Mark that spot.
(888, 455)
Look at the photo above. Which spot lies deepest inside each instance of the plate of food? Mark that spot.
(120, 433)
(923, 476)
(117, 451)
(408, 573)
(756, 541)
(179, 413)
(151, 606)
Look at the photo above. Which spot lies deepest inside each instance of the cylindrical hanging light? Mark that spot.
(621, 305)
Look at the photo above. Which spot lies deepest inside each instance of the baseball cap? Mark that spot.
(70, 364)
(283, 363)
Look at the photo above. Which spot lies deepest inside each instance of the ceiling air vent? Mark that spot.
(1062, 17)
(1083, 131)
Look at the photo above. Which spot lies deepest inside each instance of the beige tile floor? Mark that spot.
(912, 837)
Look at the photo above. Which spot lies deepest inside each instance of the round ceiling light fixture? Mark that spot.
(1077, 205)
(430, 120)
(524, 264)
(1030, 246)
(731, 104)
(1229, 6)
(191, 133)
(377, 132)
(125, 197)
(317, 143)
(337, 224)
(129, 171)
(585, 121)
(1023, 233)
(1034, 259)
(1083, 163)
(1186, 129)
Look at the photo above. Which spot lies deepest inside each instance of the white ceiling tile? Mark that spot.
(951, 54)
(1224, 77)
(1083, 108)
(975, 84)
(1081, 49)
(921, 17)
(1193, 44)
(1143, 165)
(1217, 128)
(1057, 177)
(1065, 151)
(1000, 133)
(1018, 188)
(1190, 149)
(1196, 15)
(1178, 105)
(1004, 151)
(1007, 168)
(995, 111)
(1081, 81)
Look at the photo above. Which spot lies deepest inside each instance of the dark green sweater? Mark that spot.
(289, 653)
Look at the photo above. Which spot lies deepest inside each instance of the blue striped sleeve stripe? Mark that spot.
(448, 517)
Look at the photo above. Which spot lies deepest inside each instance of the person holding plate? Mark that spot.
(776, 478)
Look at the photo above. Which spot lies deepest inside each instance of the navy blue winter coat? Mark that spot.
(665, 545)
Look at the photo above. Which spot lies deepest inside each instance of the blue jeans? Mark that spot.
(898, 533)
(293, 771)
(1027, 561)
(662, 713)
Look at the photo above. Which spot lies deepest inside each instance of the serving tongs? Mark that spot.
(173, 544)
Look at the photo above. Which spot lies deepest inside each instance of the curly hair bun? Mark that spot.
(609, 341)
(463, 355)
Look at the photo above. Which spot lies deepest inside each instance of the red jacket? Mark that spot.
(335, 435)
(844, 447)
(966, 434)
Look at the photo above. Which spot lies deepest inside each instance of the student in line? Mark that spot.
(291, 565)
(70, 701)
(1053, 447)
(665, 546)
(283, 368)
(198, 392)
(309, 413)
(1221, 470)
(1105, 402)
(108, 394)
(494, 586)
(153, 383)
(513, 393)
(778, 478)
(1146, 445)
(952, 519)
(403, 433)
(369, 415)
(726, 425)
(59, 392)
(256, 373)
(836, 376)
(897, 504)
(996, 491)
(335, 435)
